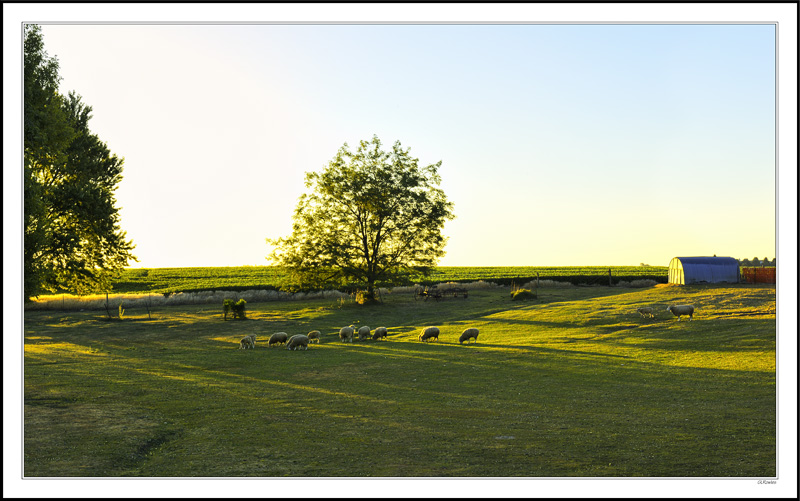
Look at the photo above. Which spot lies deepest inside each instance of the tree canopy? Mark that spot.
(371, 218)
(73, 239)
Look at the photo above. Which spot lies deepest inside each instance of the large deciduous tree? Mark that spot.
(371, 218)
(73, 239)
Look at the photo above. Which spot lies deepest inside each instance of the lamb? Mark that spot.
(682, 309)
(363, 333)
(248, 342)
(429, 333)
(380, 333)
(467, 335)
(346, 333)
(646, 312)
(278, 338)
(313, 335)
(297, 341)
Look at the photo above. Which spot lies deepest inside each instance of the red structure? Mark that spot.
(752, 275)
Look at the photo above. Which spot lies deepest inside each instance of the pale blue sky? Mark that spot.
(560, 144)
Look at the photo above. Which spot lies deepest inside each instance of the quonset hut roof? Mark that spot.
(692, 270)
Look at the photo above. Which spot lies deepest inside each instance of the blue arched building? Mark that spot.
(694, 270)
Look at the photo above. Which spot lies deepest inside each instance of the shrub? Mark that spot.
(522, 294)
(227, 307)
(238, 309)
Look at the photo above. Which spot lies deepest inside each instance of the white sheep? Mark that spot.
(681, 309)
(297, 341)
(314, 335)
(363, 332)
(429, 333)
(278, 338)
(380, 333)
(346, 333)
(645, 312)
(248, 342)
(467, 335)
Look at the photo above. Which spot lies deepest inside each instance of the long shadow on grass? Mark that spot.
(641, 416)
(705, 336)
(537, 323)
(429, 350)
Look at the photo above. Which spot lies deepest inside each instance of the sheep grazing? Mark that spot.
(380, 333)
(646, 312)
(363, 333)
(429, 333)
(346, 333)
(248, 342)
(278, 338)
(682, 309)
(467, 335)
(314, 336)
(297, 341)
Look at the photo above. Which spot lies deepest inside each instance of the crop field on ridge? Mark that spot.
(160, 280)
(572, 384)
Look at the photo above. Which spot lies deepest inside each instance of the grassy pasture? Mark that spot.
(573, 384)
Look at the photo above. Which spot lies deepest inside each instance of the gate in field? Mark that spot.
(753, 275)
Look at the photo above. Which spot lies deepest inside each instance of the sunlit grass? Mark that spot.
(575, 383)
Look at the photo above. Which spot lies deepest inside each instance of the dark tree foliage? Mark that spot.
(371, 218)
(73, 240)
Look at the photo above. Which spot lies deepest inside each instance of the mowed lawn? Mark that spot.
(573, 384)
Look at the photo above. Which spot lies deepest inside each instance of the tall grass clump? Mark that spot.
(553, 284)
(477, 285)
(522, 294)
(98, 302)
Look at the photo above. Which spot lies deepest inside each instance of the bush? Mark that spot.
(238, 309)
(522, 294)
(227, 307)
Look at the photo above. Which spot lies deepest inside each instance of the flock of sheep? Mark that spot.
(677, 310)
(347, 334)
(292, 343)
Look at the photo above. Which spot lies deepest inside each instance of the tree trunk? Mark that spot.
(370, 296)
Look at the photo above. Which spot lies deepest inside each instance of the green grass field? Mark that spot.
(573, 384)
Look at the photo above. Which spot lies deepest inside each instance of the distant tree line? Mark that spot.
(757, 262)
